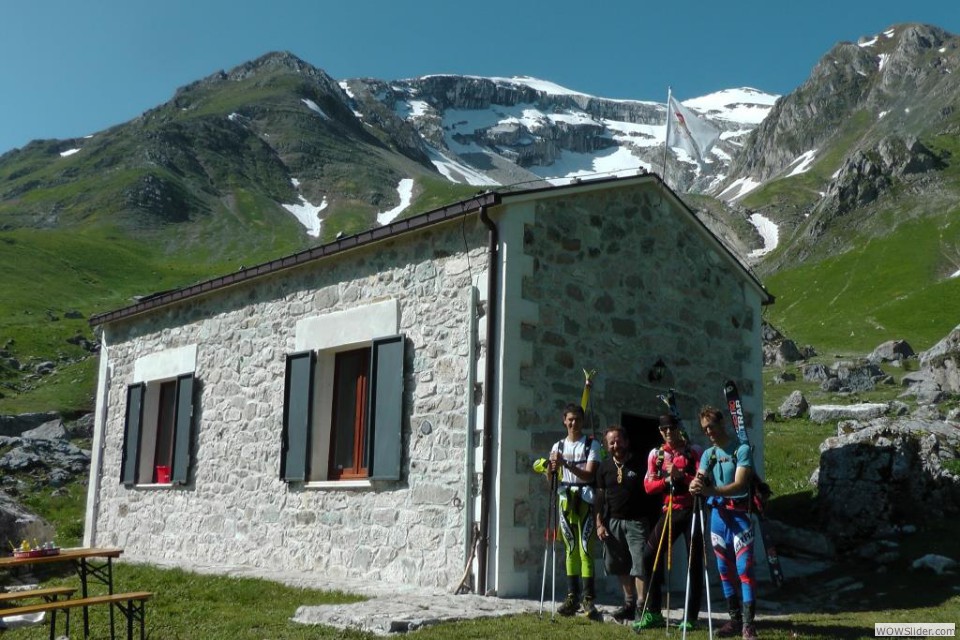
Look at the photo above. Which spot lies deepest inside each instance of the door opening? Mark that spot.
(644, 435)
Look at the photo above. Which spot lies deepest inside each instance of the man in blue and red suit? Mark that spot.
(724, 476)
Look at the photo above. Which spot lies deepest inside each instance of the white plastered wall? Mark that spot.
(509, 538)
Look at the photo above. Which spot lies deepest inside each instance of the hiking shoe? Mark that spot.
(569, 605)
(731, 629)
(588, 610)
(649, 620)
(687, 626)
(749, 632)
(625, 613)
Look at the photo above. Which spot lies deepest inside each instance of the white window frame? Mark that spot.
(152, 371)
(328, 335)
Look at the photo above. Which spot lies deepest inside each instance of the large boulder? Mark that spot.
(942, 362)
(41, 456)
(53, 430)
(858, 377)
(832, 412)
(815, 373)
(15, 425)
(778, 350)
(922, 386)
(891, 351)
(16, 523)
(781, 354)
(794, 406)
(871, 480)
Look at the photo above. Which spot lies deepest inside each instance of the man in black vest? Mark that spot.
(622, 524)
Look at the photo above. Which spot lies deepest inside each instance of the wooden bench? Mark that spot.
(49, 594)
(131, 604)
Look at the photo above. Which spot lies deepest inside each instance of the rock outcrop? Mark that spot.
(40, 454)
(942, 362)
(871, 480)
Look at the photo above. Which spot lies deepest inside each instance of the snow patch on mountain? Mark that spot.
(537, 84)
(744, 105)
(641, 135)
(307, 214)
(405, 191)
(802, 163)
(456, 171)
(738, 189)
(768, 230)
(313, 106)
(616, 161)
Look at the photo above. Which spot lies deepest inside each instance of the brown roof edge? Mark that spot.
(369, 236)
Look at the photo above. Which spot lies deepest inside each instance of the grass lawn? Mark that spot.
(190, 606)
(193, 607)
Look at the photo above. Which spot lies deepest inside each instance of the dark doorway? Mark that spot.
(642, 432)
(644, 435)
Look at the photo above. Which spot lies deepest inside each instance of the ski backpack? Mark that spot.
(759, 492)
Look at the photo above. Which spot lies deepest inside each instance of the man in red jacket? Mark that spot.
(670, 470)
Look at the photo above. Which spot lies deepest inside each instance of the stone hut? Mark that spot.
(370, 408)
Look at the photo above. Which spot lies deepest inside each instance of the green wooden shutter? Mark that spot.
(130, 461)
(384, 447)
(297, 417)
(183, 430)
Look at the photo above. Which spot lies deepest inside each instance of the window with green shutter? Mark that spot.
(158, 432)
(343, 413)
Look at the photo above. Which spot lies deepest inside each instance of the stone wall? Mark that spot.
(236, 510)
(621, 278)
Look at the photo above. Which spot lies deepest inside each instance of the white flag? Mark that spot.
(689, 132)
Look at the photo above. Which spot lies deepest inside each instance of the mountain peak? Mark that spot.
(282, 62)
(272, 61)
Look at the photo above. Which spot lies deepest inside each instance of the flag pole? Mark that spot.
(666, 138)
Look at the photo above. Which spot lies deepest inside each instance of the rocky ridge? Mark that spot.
(508, 130)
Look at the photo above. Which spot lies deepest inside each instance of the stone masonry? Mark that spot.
(236, 510)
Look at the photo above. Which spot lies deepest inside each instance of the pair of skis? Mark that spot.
(670, 399)
(735, 408)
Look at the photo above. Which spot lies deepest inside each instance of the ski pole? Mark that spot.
(546, 543)
(686, 597)
(698, 506)
(666, 628)
(653, 571)
(553, 552)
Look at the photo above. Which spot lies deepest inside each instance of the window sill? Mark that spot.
(155, 485)
(338, 484)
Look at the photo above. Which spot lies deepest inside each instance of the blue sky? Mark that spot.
(72, 68)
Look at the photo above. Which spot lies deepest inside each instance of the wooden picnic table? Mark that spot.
(92, 564)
